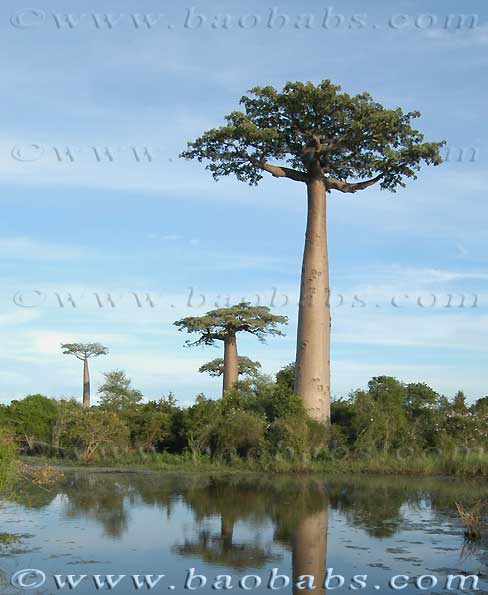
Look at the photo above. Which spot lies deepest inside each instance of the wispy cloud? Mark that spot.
(18, 317)
(25, 248)
(425, 275)
(174, 237)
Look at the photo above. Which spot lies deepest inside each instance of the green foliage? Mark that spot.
(197, 424)
(422, 406)
(463, 430)
(218, 324)
(380, 419)
(289, 436)
(236, 432)
(84, 351)
(33, 419)
(223, 428)
(67, 411)
(481, 407)
(459, 403)
(420, 397)
(272, 400)
(307, 125)
(246, 366)
(4, 415)
(152, 424)
(285, 378)
(116, 393)
(260, 424)
(94, 430)
(281, 402)
(344, 423)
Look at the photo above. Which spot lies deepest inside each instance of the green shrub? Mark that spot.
(33, 419)
(237, 432)
(289, 437)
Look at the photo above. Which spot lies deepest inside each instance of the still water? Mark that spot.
(240, 528)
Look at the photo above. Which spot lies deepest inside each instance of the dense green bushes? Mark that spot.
(33, 419)
(391, 415)
(390, 426)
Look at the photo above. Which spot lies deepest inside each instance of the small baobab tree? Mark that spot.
(224, 324)
(245, 367)
(83, 352)
(326, 140)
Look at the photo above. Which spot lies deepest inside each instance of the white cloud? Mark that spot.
(47, 341)
(18, 317)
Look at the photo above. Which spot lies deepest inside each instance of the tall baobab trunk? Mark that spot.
(312, 375)
(231, 363)
(86, 384)
(309, 551)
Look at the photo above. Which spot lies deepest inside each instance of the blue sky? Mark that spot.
(164, 226)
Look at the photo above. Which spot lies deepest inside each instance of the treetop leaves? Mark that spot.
(304, 125)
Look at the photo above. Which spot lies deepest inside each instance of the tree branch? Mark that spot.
(333, 184)
(278, 171)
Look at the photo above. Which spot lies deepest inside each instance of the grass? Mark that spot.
(446, 464)
(472, 521)
(8, 464)
(475, 519)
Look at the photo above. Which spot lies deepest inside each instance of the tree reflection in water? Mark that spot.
(298, 511)
(295, 510)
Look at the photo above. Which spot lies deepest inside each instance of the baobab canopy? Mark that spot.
(224, 324)
(245, 366)
(217, 325)
(354, 140)
(84, 350)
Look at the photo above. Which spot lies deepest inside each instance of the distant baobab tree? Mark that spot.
(224, 324)
(84, 351)
(326, 140)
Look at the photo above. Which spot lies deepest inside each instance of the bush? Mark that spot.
(297, 437)
(289, 437)
(237, 432)
(33, 419)
(258, 420)
(98, 433)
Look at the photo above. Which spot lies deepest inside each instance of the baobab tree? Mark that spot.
(245, 367)
(224, 324)
(83, 352)
(326, 140)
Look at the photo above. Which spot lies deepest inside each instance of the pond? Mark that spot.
(242, 531)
